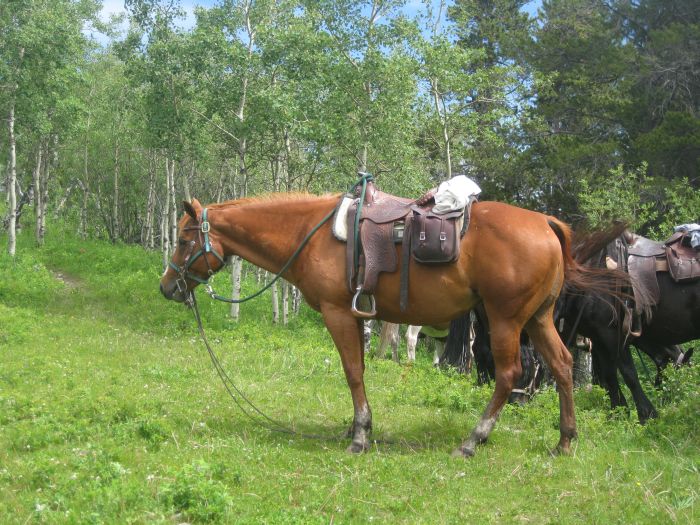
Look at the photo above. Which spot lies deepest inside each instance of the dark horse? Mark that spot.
(513, 261)
(673, 319)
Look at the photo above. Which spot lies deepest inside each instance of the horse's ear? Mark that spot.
(192, 208)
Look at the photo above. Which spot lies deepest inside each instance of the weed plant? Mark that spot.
(110, 412)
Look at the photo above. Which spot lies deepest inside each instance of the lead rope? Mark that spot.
(233, 391)
(264, 420)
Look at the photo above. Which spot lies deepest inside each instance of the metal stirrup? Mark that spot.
(359, 313)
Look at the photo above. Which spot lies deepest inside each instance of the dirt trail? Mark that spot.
(71, 281)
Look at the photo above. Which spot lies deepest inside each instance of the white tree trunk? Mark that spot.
(82, 227)
(50, 162)
(11, 186)
(236, 271)
(186, 181)
(36, 182)
(285, 302)
(275, 304)
(116, 224)
(147, 231)
(173, 206)
(85, 184)
(297, 300)
(164, 236)
(165, 218)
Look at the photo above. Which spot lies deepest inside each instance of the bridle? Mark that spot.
(183, 272)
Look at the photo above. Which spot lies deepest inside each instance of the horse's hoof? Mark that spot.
(357, 448)
(560, 450)
(463, 452)
(646, 416)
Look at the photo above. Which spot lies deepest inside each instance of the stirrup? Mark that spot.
(359, 313)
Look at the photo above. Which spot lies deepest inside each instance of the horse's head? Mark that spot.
(197, 254)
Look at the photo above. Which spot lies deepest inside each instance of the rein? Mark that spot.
(203, 229)
(262, 419)
(235, 393)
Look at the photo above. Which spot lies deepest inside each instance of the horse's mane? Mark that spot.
(271, 197)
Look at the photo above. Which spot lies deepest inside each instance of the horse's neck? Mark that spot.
(267, 232)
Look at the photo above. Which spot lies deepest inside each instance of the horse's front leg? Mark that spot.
(347, 334)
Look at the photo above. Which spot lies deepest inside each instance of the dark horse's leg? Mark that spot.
(485, 367)
(505, 346)
(347, 334)
(645, 410)
(550, 346)
(605, 370)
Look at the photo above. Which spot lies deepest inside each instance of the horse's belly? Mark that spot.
(436, 295)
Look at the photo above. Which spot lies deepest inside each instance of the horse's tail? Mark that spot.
(582, 278)
(457, 351)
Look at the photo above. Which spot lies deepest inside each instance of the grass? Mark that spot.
(110, 412)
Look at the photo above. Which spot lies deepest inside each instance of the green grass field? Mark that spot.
(111, 412)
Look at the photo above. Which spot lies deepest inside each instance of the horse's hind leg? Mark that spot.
(389, 336)
(605, 371)
(549, 345)
(412, 341)
(346, 332)
(439, 346)
(505, 346)
(645, 410)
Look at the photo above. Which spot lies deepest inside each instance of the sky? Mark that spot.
(114, 7)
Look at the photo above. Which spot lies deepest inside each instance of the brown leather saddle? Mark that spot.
(646, 257)
(385, 221)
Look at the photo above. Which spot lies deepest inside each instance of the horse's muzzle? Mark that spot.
(171, 291)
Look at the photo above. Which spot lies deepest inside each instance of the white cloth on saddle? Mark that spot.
(340, 221)
(693, 230)
(455, 194)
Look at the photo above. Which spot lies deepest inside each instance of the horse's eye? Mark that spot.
(182, 242)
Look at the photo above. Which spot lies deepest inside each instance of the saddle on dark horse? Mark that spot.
(374, 226)
(645, 258)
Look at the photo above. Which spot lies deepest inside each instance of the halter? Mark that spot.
(183, 271)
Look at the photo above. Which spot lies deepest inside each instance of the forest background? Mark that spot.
(584, 109)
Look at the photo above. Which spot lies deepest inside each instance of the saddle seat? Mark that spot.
(385, 221)
(642, 247)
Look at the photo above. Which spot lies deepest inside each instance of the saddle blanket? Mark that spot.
(693, 231)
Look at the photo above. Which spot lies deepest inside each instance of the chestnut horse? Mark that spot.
(512, 260)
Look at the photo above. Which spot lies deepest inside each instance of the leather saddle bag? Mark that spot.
(435, 239)
(683, 263)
